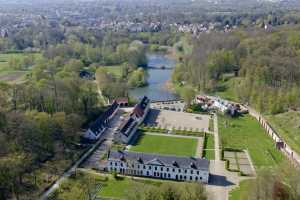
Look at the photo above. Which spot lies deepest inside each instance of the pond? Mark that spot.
(156, 89)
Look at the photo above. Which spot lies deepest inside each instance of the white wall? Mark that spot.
(196, 175)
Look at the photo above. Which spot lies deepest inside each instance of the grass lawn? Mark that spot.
(118, 188)
(165, 145)
(209, 147)
(288, 126)
(115, 70)
(246, 133)
(239, 192)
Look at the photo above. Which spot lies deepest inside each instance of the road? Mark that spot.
(221, 181)
(107, 135)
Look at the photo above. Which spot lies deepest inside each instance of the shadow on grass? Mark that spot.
(137, 139)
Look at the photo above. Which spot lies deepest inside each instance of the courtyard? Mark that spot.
(157, 144)
(178, 120)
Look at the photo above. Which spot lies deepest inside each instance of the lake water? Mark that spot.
(156, 89)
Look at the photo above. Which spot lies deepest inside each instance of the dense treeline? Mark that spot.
(278, 184)
(41, 119)
(265, 63)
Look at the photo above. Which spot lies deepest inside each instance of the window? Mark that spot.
(197, 172)
(169, 175)
(179, 170)
(138, 166)
(196, 178)
(155, 168)
(185, 171)
(144, 167)
(173, 170)
(149, 167)
(191, 171)
(200, 177)
(116, 164)
(167, 169)
(161, 169)
(184, 177)
(147, 173)
(121, 164)
(191, 178)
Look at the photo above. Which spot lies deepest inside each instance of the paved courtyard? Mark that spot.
(177, 120)
(170, 105)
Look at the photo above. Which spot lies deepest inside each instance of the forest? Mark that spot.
(261, 67)
(43, 117)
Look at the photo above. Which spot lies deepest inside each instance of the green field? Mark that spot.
(119, 188)
(12, 75)
(246, 133)
(288, 126)
(239, 192)
(209, 147)
(115, 70)
(165, 145)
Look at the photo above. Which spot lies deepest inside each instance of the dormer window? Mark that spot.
(140, 160)
(192, 165)
(174, 163)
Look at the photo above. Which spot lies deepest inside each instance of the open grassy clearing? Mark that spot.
(165, 145)
(246, 133)
(288, 126)
(227, 89)
(10, 75)
(115, 70)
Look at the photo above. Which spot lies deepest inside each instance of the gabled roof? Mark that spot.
(155, 161)
(161, 160)
(99, 124)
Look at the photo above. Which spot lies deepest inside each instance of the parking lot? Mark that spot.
(177, 120)
(169, 105)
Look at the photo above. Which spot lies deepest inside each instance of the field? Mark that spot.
(245, 133)
(165, 145)
(11, 75)
(209, 147)
(288, 126)
(102, 186)
(115, 70)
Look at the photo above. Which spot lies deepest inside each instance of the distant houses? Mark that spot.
(128, 128)
(159, 166)
(100, 125)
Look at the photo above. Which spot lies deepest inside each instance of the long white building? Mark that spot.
(159, 166)
(128, 129)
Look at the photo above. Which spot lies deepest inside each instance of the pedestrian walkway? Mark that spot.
(216, 138)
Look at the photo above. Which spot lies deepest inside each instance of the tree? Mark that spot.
(138, 78)
(71, 128)
(188, 94)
